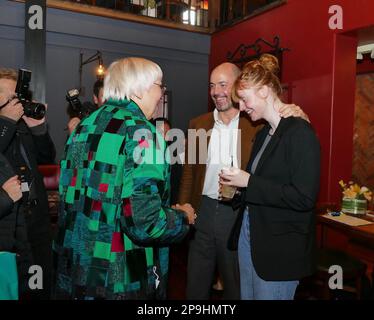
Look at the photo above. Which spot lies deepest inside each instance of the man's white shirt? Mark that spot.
(222, 151)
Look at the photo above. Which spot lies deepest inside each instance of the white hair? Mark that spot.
(130, 77)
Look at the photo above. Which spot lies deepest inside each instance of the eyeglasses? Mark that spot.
(161, 85)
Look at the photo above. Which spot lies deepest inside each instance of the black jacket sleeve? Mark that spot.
(301, 192)
(6, 204)
(7, 131)
(45, 149)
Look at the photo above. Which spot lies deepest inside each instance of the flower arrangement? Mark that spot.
(354, 191)
(355, 198)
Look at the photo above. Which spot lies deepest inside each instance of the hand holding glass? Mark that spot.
(228, 192)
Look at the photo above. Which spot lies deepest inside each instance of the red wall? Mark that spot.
(366, 65)
(321, 67)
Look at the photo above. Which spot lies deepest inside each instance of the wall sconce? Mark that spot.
(204, 4)
(365, 49)
(99, 71)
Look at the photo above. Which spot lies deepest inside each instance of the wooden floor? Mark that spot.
(178, 273)
(178, 279)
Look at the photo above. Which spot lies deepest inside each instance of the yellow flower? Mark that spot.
(356, 188)
(349, 193)
(342, 184)
(354, 191)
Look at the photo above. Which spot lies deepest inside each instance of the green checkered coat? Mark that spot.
(115, 220)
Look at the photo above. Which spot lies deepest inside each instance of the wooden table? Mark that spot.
(356, 241)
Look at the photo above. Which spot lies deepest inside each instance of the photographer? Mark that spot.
(26, 143)
(76, 115)
(12, 227)
(10, 191)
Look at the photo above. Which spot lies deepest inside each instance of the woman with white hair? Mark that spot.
(115, 217)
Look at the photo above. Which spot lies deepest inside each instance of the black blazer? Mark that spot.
(39, 149)
(281, 195)
(6, 203)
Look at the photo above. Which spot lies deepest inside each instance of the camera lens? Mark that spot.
(34, 110)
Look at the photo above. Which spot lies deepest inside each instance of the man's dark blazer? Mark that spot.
(280, 197)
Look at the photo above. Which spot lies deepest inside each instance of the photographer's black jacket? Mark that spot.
(25, 230)
(11, 225)
(37, 141)
(39, 149)
(6, 203)
(13, 230)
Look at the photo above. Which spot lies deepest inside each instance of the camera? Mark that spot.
(31, 109)
(76, 108)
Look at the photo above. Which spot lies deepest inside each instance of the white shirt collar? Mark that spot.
(217, 119)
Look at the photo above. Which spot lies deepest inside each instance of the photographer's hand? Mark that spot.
(31, 122)
(12, 110)
(13, 188)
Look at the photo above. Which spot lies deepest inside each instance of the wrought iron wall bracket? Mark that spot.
(245, 53)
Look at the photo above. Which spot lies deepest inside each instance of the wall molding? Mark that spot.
(102, 28)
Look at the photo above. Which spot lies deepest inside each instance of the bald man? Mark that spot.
(230, 142)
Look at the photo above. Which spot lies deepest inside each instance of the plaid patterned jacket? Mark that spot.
(115, 221)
